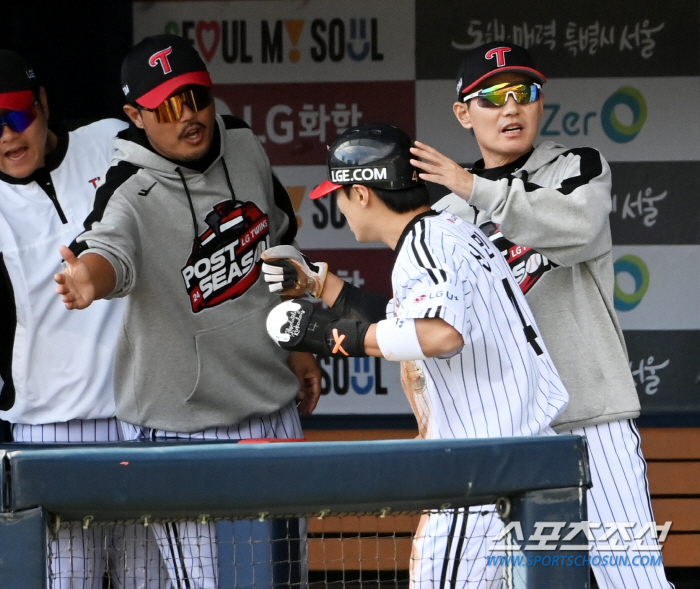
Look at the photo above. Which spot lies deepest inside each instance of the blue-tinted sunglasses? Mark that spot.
(18, 120)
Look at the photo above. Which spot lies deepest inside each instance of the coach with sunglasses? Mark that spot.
(547, 209)
(188, 206)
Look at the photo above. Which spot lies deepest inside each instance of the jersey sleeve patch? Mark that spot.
(429, 301)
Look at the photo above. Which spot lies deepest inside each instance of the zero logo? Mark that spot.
(613, 127)
(635, 267)
(627, 103)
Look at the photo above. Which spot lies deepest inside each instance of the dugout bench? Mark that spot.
(673, 459)
(540, 478)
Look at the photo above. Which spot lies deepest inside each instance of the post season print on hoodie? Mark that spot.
(225, 259)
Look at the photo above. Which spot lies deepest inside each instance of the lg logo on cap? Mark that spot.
(358, 174)
(499, 53)
(161, 57)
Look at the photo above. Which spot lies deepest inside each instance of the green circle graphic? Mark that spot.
(634, 100)
(635, 267)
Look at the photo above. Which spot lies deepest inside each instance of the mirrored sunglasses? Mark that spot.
(196, 98)
(496, 96)
(18, 120)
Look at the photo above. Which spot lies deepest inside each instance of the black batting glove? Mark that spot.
(299, 325)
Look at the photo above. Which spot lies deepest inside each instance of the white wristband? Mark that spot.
(397, 339)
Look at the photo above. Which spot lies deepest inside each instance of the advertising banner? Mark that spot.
(300, 73)
(299, 41)
(566, 39)
(655, 203)
(665, 369)
(363, 386)
(656, 287)
(297, 122)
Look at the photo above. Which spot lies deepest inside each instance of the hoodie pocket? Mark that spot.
(241, 371)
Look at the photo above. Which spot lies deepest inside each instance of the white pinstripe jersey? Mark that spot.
(502, 382)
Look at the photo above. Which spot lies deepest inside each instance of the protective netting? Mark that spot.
(420, 550)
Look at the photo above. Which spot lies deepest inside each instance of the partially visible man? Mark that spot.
(547, 210)
(188, 207)
(56, 367)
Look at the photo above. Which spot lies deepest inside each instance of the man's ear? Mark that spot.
(43, 101)
(541, 105)
(461, 111)
(134, 114)
(364, 194)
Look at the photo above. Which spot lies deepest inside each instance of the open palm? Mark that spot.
(74, 284)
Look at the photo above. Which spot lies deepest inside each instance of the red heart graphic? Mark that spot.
(202, 26)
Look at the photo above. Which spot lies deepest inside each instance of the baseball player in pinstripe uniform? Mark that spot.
(546, 209)
(457, 312)
(56, 369)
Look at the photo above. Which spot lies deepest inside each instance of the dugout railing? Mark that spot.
(531, 480)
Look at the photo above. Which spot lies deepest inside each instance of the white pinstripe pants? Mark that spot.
(189, 549)
(620, 493)
(450, 550)
(78, 557)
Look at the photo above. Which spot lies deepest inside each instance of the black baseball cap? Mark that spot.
(491, 59)
(18, 83)
(376, 155)
(159, 65)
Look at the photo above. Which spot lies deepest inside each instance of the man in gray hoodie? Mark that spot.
(546, 208)
(187, 208)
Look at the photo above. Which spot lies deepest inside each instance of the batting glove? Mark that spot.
(288, 272)
(299, 325)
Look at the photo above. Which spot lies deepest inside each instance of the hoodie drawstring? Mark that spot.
(189, 200)
(228, 180)
(189, 197)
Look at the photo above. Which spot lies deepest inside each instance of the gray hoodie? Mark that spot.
(548, 212)
(193, 351)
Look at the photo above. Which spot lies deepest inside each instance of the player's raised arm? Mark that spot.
(84, 279)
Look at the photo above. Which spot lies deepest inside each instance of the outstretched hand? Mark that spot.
(440, 169)
(75, 283)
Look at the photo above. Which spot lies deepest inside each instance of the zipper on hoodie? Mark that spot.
(43, 179)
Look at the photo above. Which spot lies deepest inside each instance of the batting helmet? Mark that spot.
(375, 155)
